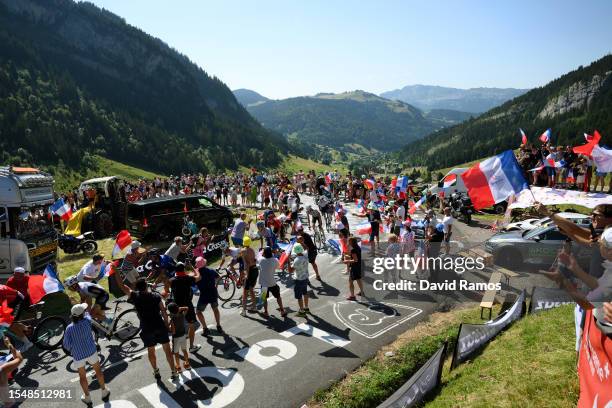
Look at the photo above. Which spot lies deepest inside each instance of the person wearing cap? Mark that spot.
(19, 281)
(249, 260)
(181, 288)
(80, 343)
(91, 270)
(208, 295)
(300, 289)
(134, 258)
(94, 295)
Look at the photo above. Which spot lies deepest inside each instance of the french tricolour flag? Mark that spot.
(402, 183)
(41, 285)
(123, 240)
(494, 180)
(450, 180)
(415, 206)
(545, 137)
(523, 137)
(286, 253)
(370, 184)
(62, 209)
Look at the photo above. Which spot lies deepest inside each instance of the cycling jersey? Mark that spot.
(93, 290)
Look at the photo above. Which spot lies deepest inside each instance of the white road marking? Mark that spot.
(354, 326)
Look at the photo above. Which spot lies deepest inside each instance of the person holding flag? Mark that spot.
(93, 269)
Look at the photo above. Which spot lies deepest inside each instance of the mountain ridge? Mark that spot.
(340, 120)
(126, 95)
(473, 100)
(576, 102)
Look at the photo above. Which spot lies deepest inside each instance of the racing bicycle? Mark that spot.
(319, 236)
(227, 282)
(121, 326)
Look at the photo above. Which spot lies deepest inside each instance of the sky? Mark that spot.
(291, 48)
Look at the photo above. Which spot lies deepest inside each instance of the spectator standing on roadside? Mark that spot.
(80, 342)
(154, 323)
(300, 288)
(208, 295)
(10, 364)
(180, 286)
(353, 261)
(447, 229)
(268, 265)
(179, 335)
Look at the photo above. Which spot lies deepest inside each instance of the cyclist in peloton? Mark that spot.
(314, 217)
(91, 293)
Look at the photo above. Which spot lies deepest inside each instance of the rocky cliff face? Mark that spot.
(574, 97)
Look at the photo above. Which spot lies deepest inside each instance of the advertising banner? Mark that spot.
(420, 384)
(473, 337)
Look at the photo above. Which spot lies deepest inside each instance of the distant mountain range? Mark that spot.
(577, 102)
(247, 97)
(347, 119)
(475, 100)
(77, 81)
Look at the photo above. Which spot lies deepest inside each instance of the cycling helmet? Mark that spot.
(154, 251)
(260, 224)
(71, 280)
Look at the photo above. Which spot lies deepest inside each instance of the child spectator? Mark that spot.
(300, 289)
(179, 335)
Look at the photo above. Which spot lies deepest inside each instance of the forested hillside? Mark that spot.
(575, 103)
(345, 119)
(76, 80)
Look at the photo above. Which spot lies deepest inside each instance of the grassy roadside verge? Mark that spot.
(531, 364)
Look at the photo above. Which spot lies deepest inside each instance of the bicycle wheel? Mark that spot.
(127, 325)
(49, 333)
(226, 287)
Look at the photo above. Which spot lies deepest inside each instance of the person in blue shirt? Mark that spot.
(80, 342)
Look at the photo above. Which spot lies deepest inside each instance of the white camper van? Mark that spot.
(27, 236)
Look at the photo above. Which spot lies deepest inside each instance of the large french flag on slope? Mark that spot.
(494, 180)
(62, 209)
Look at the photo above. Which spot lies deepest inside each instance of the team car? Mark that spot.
(532, 223)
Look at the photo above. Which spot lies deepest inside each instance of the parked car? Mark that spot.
(538, 246)
(532, 223)
(162, 218)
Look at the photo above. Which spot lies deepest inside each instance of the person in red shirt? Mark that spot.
(19, 282)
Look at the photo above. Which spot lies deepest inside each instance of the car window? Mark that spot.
(553, 235)
(204, 202)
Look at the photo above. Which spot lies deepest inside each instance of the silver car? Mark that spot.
(538, 246)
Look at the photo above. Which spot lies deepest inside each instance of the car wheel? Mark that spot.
(499, 208)
(224, 223)
(165, 234)
(509, 258)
